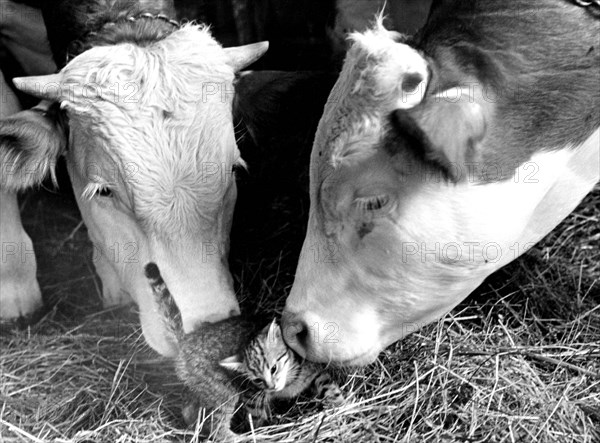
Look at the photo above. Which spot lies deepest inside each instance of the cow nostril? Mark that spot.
(302, 335)
(295, 332)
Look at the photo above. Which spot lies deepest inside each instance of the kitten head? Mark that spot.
(266, 361)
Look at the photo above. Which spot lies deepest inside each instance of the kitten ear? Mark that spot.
(274, 331)
(233, 363)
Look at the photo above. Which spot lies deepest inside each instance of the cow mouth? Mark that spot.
(359, 361)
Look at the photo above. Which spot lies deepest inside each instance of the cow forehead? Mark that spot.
(156, 120)
(169, 74)
(380, 74)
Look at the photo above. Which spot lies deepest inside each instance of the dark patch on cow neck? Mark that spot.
(537, 55)
(74, 26)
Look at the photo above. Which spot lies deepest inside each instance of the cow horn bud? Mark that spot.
(242, 56)
(42, 86)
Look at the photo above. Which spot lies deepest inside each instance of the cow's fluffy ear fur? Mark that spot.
(448, 129)
(30, 143)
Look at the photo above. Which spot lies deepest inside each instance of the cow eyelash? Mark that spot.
(371, 204)
(239, 166)
(93, 189)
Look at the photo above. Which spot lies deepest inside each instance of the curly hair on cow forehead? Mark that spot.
(370, 86)
(166, 71)
(148, 106)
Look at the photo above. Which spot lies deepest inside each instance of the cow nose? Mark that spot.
(295, 333)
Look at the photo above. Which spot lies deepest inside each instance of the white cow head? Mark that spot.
(398, 231)
(150, 153)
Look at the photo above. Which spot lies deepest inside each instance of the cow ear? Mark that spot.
(233, 363)
(30, 143)
(450, 127)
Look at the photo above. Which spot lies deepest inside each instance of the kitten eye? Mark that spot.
(273, 369)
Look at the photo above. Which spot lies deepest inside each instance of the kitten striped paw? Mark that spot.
(328, 391)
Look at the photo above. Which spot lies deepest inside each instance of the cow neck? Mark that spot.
(164, 26)
(467, 41)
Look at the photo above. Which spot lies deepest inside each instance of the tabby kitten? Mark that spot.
(234, 360)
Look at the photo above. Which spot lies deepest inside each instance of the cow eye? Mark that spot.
(105, 192)
(372, 203)
(95, 189)
(238, 168)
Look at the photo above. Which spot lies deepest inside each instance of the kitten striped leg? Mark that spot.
(216, 424)
(257, 406)
(328, 390)
(168, 309)
(190, 407)
(221, 423)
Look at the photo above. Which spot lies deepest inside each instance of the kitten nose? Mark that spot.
(296, 332)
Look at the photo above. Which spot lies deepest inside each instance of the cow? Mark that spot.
(23, 34)
(439, 159)
(142, 112)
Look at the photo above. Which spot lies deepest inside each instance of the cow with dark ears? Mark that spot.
(414, 236)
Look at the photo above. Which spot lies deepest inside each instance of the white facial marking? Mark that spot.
(402, 277)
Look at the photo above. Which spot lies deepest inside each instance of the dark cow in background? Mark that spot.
(23, 35)
(439, 160)
(133, 113)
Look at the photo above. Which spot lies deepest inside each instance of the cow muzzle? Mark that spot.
(322, 340)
